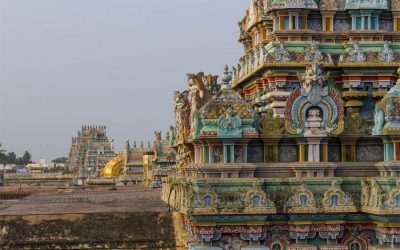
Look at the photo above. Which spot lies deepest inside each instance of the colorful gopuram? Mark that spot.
(297, 146)
(90, 151)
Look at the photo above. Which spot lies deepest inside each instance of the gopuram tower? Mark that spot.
(297, 146)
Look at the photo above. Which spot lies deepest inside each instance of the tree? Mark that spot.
(26, 158)
(60, 160)
(11, 158)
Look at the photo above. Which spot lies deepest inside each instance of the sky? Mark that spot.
(67, 63)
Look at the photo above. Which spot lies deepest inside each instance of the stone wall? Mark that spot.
(136, 230)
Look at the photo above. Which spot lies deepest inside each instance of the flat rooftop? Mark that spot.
(56, 200)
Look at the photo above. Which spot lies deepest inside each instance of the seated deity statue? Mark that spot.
(281, 54)
(357, 53)
(313, 53)
(386, 54)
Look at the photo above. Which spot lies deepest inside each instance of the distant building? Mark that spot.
(134, 160)
(149, 164)
(36, 168)
(8, 168)
(90, 150)
(164, 157)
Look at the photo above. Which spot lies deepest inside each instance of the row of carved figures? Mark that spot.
(301, 200)
(259, 55)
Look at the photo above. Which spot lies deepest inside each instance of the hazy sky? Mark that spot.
(66, 63)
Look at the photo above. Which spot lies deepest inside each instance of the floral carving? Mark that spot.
(229, 125)
(328, 5)
(270, 125)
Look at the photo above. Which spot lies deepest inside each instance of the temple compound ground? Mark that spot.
(130, 217)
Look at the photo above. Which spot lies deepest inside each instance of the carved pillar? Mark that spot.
(396, 150)
(226, 153)
(211, 154)
(325, 152)
(327, 19)
(229, 152)
(206, 154)
(313, 149)
(348, 148)
(271, 147)
(363, 22)
(388, 149)
(353, 22)
(290, 21)
(232, 153)
(244, 153)
(197, 154)
(302, 153)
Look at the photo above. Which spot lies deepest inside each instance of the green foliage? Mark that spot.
(60, 160)
(11, 158)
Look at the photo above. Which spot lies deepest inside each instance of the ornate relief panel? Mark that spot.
(369, 153)
(288, 153)
(255, 154)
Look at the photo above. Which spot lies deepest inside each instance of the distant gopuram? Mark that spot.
(90, 151)
(297, 146)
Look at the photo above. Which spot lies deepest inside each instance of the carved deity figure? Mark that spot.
(281, 54)
(262, 53)
(352, 122)
(313, 53)
(184, 156)
(376, 192)
(365, 192)
(379, 120)
(312, 83)
(182, 109)
(386, 54)
(198, 93)
(357, 54)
